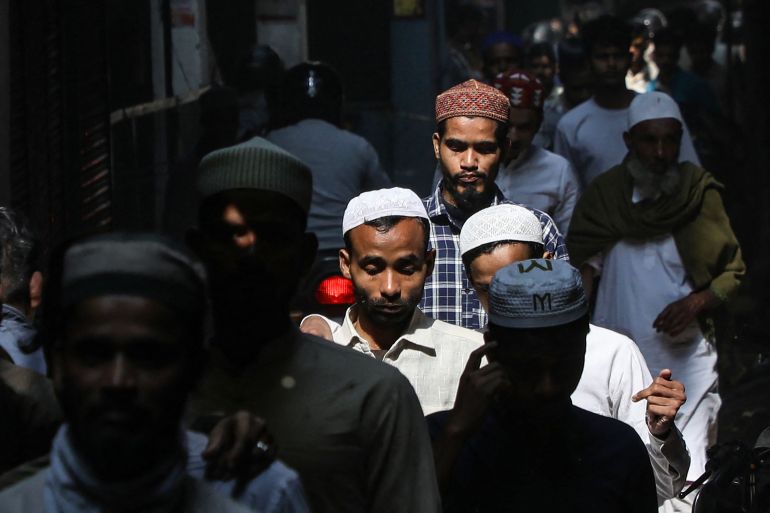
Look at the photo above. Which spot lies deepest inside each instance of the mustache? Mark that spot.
(469, 174)
(382, 302)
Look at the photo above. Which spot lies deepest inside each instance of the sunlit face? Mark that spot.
(123, 373)
(469, 155)
(609, 65)
(484, 267)
(388, 270)
(523, 124)
(655, 143)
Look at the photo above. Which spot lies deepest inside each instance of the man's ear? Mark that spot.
(627, 139)
(436, 145)
(345, 263)
(35, 290)
(430, 261)
(547, 255)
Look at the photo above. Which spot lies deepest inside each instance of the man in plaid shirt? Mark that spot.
(469, 143)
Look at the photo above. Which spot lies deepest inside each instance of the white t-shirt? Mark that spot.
(542, 180)
(591, 138)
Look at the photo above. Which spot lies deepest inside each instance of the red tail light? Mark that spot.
(335, 290)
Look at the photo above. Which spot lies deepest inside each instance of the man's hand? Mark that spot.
(315, 325)
(664, 398)
(239, 447)
(678, 315)
(478, 387)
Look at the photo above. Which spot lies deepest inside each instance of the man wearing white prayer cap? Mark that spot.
(657, 233)
(615, 371)
(386, 255)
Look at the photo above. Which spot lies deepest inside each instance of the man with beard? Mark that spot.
(351, 426)
(589, 136)
(658, 233)
(126, 323)
(514, 441)
(469, 143)
(615, 377)
(533, 175)
(386, 256)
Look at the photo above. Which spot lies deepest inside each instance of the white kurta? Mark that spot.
(542, 180)
(639, 279)
(591, 138)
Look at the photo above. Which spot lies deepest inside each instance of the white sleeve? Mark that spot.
(669, 458)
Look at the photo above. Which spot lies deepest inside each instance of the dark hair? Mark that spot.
(606, 30)
(385, 224)
(19, 259)
(543, 49)
(668, 37)
(501, 132)
(535, 251)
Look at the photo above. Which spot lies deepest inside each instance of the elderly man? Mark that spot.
(658, 233)
(533, 175)
(386, 255)
(589, 136)
(615, 374)
(351, 426)
(513, 436)
(469, 144)
(126, 333)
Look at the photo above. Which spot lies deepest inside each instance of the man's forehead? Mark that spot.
(467, 128)
(406, 236)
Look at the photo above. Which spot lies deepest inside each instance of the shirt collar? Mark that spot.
(417, 333)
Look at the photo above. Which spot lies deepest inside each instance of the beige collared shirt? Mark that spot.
(431, 354)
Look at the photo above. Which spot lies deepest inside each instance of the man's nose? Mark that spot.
(470, 159)
(121, 373)
(547, 387)
(391, 286)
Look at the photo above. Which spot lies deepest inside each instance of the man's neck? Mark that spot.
(613, 98)
(378, 337)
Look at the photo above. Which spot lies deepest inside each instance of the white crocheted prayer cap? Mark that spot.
(652, 105)
(372, 205)
(499, 223)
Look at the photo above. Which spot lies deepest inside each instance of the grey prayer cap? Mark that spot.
(143, 265)
(536, 294)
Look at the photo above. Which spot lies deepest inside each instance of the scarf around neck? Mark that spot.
(71, 486)
(693, 214)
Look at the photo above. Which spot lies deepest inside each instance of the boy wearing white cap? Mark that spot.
(386, 255)
(657, 232)
(615, 371)
(514, 441)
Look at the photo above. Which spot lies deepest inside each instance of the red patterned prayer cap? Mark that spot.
(472, 98)
(524, 90)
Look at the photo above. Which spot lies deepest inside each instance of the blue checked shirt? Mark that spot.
(449, 295)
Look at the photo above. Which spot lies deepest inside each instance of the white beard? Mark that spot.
(653, 185)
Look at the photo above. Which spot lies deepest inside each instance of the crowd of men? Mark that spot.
(537, 334)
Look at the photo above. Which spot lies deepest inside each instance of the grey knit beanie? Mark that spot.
(256, 164)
